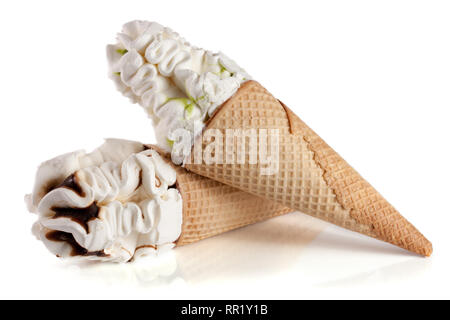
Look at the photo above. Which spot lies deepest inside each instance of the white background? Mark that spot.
(371, 77)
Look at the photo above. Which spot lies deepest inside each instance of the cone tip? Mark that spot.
(428, 248)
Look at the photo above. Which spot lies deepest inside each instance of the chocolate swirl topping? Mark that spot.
(77, 250)
(71, 182)
(79, 215)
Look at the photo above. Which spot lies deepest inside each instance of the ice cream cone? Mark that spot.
(311, 176)
(211, 208)
(123, 201)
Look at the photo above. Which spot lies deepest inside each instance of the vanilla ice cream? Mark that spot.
(115, 203)
(180, 86)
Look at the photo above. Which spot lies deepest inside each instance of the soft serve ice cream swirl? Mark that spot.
(179, 86)
(113, 204)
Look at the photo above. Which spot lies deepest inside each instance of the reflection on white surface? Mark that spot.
(151, 271)
(261, 249)
(294, 250)
(258, 250)
(398, 272)
(340, 258)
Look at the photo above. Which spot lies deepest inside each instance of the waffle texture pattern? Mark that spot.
(312, 177)
(211, 208)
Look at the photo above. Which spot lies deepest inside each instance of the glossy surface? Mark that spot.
(292, 256)
(372, 78)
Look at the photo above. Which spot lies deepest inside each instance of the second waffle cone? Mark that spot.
(211, 208)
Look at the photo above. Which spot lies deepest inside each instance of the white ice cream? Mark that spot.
(179, 86)
(139, 210)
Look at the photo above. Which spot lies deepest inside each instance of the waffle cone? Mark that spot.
(211, 208)
(311, 177)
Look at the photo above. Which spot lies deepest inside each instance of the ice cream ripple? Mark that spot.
(179, 85)
(108, 209)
